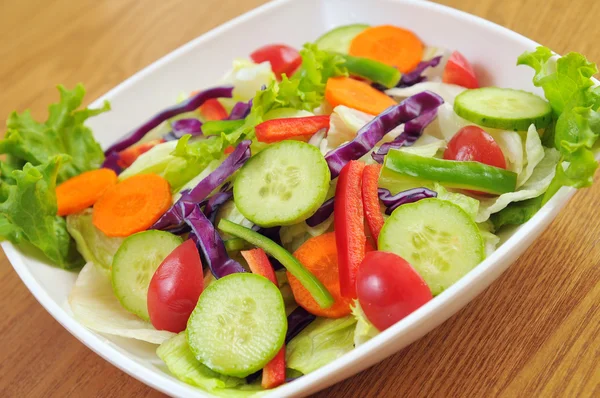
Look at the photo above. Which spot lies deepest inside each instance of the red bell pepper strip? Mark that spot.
(273, 372)
(212, 110)
(301, 128)
(348, 216)
(129, 155)
(371, 199)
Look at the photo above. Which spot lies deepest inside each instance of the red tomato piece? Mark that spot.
(459, 71)
(212, 109)
(129, 155)
(175, 288)
(389, 289)
(472, 143)
(283, 59)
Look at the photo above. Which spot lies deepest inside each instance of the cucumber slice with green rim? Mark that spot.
(282, 185)
(451, 173)
(134, 264)
(437, 238)
(238, 325)
(503, 108)
(339, 39)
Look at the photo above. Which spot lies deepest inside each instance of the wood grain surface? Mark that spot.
(534, 332)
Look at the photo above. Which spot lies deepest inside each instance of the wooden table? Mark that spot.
(534, 332)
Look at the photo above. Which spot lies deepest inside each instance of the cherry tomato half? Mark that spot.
(129, 155)
(283, 59)
(474, 144)
(175, 288)
(389, 289)
(459, 71)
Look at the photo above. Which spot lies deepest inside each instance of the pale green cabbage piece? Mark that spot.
(468, 204)
(364, 330)
(447, 91)
(93, 244)
(535, 186)
(95, 306)
(248, 77)
(534, 153)
(320, 343)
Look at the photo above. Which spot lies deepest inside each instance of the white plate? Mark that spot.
(200, 63)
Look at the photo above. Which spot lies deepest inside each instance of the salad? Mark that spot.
(259, 229)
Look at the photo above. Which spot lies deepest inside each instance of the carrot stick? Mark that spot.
(319, 256)
(356, 94)
(389, 44)
(132, 205)
(80, 192)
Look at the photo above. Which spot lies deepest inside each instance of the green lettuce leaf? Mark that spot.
(28, 212)
(364, 330)
(93, 245)
(568, 86)
(467, 203)
(63, 133)
(320, 343)
(534, 153)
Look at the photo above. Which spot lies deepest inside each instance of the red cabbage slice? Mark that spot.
(173, 217)
(392, 202)
(216, 201)
(111, 162)
(189, 105)
(370, 134)
(211, 245)
(413, 129)
(416, 75)
(240, 110)
(322, 213)
(182, 127)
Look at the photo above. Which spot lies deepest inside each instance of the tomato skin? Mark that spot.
(175, 288)
(283, 59)
(389, 288)
(459, 71)
(129, 155)
(472, 143)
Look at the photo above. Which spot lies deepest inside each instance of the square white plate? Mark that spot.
(492, 49)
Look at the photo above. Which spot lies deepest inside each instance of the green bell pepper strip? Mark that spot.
(308, 280)
(375, 71)
(213, 127)
(236, 244)
(455, 174)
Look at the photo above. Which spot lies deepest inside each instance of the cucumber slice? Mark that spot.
(282, 185)
(238, 325)
(413, 169)
(339, 39)
(503, 108)
(437, 238)
(134, 265)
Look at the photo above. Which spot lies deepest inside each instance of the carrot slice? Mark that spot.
(319, 256)
(389, 44)
(356, 94)
(132, 205)
(80, 192)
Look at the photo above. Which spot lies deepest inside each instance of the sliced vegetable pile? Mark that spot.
(262, 228)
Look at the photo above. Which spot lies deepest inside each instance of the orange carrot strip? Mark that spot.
(80, 192)
(132, 205)
(389, 44)
(356, 94)
(319, 256)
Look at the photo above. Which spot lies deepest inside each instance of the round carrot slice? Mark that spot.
(356, 94)
(132, 205)
(319, 256)
(80, 192)
(389, 44)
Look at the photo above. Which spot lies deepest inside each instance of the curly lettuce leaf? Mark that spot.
(95, 306)
(320, 343)
(92, 243)
(568, 86)
(63, 133)
(28, 212)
